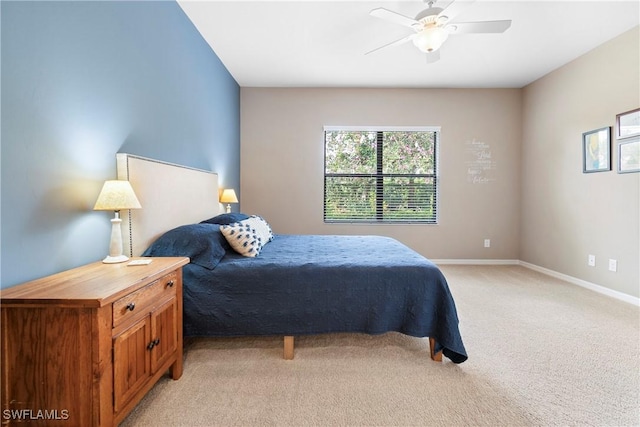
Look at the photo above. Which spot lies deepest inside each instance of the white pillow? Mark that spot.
(261, 226)
(243, 238)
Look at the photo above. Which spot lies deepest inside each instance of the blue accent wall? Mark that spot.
(81, 81)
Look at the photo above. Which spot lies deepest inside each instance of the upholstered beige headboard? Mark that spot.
(171, 195)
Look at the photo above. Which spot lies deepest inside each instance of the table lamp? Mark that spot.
(115, 196)
(228, 196)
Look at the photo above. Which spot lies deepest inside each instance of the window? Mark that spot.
(381, 174)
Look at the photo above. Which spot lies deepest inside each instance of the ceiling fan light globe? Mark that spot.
(430, 39)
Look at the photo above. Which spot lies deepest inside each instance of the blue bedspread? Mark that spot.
(309, 284)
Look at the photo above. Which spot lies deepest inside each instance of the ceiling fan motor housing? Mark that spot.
(429, 15)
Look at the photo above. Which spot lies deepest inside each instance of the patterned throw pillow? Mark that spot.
(262, 227)
(243, 238)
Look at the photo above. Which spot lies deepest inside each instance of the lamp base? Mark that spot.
(115, 259)
(115, 245)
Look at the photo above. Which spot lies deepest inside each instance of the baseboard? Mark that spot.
(583, 283)
(475, 261)
(570, 279)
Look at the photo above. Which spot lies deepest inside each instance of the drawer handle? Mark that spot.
(131, 306)
(170, 284)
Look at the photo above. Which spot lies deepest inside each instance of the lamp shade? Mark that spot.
(116, 195)
(228, 196)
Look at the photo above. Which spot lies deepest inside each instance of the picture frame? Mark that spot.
(628, 124)
(596, 150)
(629, 155)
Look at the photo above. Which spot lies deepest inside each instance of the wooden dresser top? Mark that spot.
(92, 285)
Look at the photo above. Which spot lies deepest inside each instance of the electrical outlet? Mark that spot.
(613, 265)
(487, 243)
(592, 261)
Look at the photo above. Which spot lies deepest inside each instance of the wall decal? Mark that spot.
(479, 161)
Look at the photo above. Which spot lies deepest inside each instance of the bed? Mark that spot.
(297, 284)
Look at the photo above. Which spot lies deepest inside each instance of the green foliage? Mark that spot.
(350, 152)
(408, 152)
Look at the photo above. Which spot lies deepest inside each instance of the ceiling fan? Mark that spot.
(433, 26)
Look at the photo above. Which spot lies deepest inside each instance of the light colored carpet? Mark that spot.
(541, 352)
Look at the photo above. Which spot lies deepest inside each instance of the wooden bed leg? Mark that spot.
(288, 347)
(434, 356)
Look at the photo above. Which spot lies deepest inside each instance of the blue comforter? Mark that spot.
(309, 284)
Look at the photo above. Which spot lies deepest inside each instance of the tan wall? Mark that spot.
(282, 162)
(567, 215)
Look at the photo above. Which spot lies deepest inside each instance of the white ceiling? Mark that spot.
(323, 43)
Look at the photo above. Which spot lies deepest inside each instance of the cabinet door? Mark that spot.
(164, 333)
(131, 361)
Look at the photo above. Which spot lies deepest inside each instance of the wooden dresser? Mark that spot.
(82, 347)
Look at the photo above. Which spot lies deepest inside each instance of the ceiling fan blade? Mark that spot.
(394, 17)
(479, 27)
(454, 8)
(433, 56)
(395, 43)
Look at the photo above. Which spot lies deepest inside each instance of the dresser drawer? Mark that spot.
(127, 307)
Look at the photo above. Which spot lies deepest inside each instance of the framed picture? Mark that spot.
(596, 150)
(629, 156)
(628, 124)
